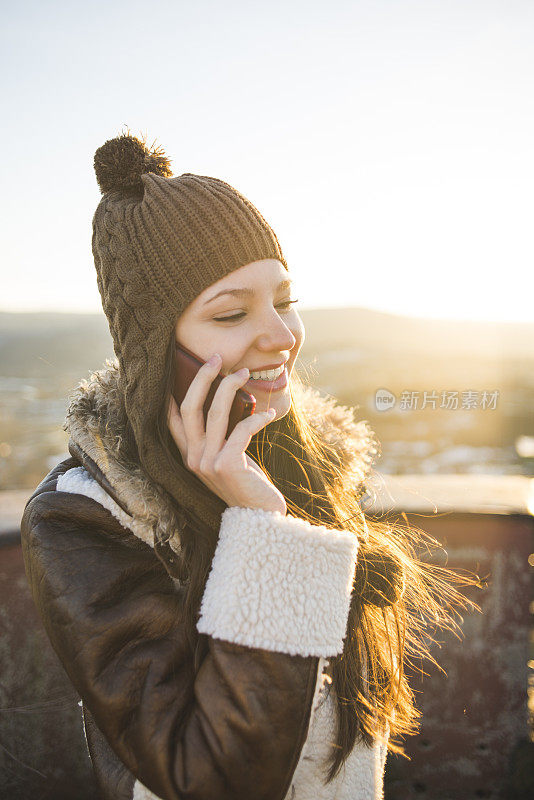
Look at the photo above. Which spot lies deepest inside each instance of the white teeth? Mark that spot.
(268, 375)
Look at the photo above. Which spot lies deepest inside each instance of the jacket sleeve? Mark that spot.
(275, 605)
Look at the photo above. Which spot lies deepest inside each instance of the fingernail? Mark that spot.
(214, 359)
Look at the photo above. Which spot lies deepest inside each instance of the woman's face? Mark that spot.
(254, 327)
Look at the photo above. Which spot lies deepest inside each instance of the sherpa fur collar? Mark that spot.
(95, 424)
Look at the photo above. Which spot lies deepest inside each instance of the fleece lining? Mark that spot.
(284, 584)
(279, 583)
(79, 481)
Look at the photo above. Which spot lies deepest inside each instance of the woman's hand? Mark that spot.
(220, 463)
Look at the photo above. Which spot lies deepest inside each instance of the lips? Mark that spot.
(264, 369)
(258, 369)
(255, 384)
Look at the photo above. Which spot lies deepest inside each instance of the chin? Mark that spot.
(282, 407)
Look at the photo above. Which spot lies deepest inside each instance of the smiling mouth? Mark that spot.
(261, 384)
(266, 375)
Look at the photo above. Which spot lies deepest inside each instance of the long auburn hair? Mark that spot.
(396, 595)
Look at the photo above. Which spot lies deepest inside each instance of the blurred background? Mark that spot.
(389, 145)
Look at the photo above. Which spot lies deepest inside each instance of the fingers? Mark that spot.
(219, 412)
(191, 408)
(239, 439)
(202, 444)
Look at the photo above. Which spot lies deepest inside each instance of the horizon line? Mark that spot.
(374, 310)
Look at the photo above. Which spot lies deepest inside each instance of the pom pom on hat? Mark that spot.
(158, 241)
(120, 162)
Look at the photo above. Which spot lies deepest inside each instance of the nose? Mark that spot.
(274, 335)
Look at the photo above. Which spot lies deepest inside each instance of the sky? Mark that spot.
(389, 143)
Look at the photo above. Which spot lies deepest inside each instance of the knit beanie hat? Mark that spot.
(159, 241)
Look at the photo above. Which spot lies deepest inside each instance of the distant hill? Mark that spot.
(349, 353)
(41, 344)
(44, 344)
(341, 328)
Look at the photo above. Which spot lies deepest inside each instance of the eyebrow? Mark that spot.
(248, 292)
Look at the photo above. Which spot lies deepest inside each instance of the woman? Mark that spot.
(234, 626)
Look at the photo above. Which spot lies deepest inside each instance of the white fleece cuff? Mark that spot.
(279, 583)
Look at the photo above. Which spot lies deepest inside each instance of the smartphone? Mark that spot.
(187, 366)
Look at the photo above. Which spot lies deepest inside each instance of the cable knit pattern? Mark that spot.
(155, 251)
(279, 583)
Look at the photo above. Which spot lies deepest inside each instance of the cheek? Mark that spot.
(299, 332)
(230, 343)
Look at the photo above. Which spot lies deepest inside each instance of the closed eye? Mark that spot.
(285, 305)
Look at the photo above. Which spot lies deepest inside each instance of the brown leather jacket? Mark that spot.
(229, 724)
